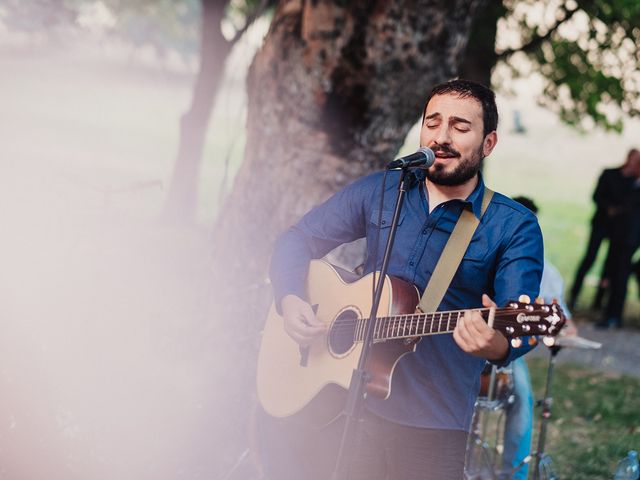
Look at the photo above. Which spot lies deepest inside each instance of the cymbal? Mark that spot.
(574, 341)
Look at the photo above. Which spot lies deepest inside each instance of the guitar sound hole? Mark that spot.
(342, 332)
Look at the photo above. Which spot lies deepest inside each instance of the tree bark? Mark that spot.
(183, 192)
(481, 57)
(332, 94)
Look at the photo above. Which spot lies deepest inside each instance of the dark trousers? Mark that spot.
(383, 451)
(598, 233)
(621, 254)
(290, 450)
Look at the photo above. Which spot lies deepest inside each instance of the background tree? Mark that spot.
(214, 50)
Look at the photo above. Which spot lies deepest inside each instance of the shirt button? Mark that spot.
(424, 232)
(383, 222)
(411, 264)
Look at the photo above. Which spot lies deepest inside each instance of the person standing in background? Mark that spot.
(611, 197)
(624, 237)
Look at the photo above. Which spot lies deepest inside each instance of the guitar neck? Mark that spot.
(516, 320)
(413, 325)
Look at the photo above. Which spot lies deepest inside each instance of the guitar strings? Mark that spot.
(419, 323)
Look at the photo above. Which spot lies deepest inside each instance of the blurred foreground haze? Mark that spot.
(107, 345)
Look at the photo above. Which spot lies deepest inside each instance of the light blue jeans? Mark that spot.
(519, 421)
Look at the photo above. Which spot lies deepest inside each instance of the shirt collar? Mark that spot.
(475, 198)
(473, 201)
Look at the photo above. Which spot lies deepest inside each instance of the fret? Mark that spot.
(448, 322)
(404, 328)
(424, 324)
(388, 329)
(440, 323)
(458, 319)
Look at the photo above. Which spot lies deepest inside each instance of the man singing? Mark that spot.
(420, 431)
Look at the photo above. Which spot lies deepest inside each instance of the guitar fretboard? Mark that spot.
(412, 325)
(515, 320)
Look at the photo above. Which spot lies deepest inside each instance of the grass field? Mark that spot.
(594, 422)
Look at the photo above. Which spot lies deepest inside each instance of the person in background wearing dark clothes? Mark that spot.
(612, 196)
(624, 239)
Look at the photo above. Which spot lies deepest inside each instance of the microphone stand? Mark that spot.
(359, 377)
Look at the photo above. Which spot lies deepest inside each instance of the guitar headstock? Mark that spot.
(520, 319)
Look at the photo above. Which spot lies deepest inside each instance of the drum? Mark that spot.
(502, 385)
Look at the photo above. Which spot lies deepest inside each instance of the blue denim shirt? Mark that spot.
(436, 386)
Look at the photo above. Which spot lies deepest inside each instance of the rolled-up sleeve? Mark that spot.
(339, 220)
(519, 272)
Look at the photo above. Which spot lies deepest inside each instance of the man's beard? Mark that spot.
(464, 171)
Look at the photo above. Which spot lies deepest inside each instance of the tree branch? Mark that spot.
(537, 41)
(257, 13)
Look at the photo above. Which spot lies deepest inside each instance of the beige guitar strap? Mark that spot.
(451, 256)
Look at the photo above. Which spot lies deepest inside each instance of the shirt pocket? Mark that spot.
(380, 226)
(384, 220)
(477, 266)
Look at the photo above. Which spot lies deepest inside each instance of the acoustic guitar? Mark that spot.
(312, 382)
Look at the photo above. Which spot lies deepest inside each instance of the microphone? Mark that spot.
(424, 157)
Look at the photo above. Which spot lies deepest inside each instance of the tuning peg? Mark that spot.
(539, 300)
(516, 342)
(549, 341)
(524, 299)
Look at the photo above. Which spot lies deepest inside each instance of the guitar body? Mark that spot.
(312, 385)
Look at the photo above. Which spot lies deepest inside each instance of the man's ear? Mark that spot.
(490, 141)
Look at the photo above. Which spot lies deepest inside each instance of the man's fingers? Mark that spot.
(487, 302)
(462, 335)
(303, 333)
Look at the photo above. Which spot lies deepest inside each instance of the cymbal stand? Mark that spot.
(543, 469)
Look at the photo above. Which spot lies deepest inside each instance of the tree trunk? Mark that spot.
(214, 49)
(332, 94)
(481, 57)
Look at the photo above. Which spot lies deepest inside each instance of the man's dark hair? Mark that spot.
(527, 202)
(469, 89)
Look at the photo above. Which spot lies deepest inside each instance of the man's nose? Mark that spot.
(442, 136)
